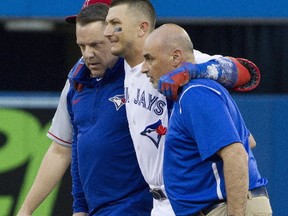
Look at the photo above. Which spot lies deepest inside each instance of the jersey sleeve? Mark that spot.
(203, 57)
(61, 128)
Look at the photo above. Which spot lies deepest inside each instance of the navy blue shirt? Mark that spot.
(105, 172)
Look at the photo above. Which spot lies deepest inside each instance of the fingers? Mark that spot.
(169, 90)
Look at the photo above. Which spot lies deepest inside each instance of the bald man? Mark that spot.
(161, 43)
(208, 168)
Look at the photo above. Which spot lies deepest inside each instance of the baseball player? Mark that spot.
(208, 164)
(147, 109)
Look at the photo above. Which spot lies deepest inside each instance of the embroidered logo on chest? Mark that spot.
(154, 132)
(118, 100)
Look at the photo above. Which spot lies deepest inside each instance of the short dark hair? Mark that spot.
(92, 13)
(143, 7)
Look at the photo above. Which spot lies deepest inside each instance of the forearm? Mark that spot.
(52, 168)
(236, 178)
(233, 73)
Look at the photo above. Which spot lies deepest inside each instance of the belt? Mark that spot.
(257, 192)
(158, 194)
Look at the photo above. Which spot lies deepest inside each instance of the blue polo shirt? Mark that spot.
(204, 120)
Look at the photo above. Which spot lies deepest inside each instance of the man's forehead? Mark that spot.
(91, 40)
(95, 24)
(92, 30)
(148, 48)
(151, 41)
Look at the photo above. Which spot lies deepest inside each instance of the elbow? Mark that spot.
(252, 142)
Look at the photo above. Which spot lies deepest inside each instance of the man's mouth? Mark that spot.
(92, 65)
(151, 79)
(113, 42)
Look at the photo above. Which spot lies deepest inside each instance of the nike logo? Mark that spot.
(75, 101)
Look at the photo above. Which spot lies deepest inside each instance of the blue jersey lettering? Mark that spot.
(147, 101)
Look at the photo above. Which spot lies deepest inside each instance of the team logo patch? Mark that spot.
(154, 132)
(118, 100)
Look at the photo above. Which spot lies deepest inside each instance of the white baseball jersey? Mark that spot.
(61, 128)
(148, 120)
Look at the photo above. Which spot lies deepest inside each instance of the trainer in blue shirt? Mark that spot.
(105, 173)
(209, 168)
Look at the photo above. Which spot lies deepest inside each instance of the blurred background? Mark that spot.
(37, 50)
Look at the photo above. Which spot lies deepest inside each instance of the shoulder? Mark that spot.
(201, 88)
(75, 69)
(203, 85)
(203, 57)
(202, 95)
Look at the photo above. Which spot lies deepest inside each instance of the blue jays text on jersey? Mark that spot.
(147, 101)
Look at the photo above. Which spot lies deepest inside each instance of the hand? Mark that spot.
(80, 214)
(23, 212)
(170, 83)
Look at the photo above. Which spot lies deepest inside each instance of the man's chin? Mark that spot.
(115, 51)
(155, 85)
(97, 72)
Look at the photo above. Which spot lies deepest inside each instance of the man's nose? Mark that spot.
(88, 53)
(144, 68)
(108, 31)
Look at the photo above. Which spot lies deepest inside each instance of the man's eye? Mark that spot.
(148, 58)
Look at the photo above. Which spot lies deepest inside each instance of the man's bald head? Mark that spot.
(171, 36)
(165, 49)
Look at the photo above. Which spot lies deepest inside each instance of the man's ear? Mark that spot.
(177, 58)
(143, 28)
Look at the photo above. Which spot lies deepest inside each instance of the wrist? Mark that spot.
(193, 69)
(25, 210)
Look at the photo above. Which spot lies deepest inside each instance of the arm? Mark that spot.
(237, 74)
(236, 178)
(80, 214)
(56, 160)
(252, 142)
(52, 169)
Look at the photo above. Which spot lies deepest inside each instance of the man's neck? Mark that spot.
(135, 57)
(134, 60)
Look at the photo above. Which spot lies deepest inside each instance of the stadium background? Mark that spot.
(37, 50)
